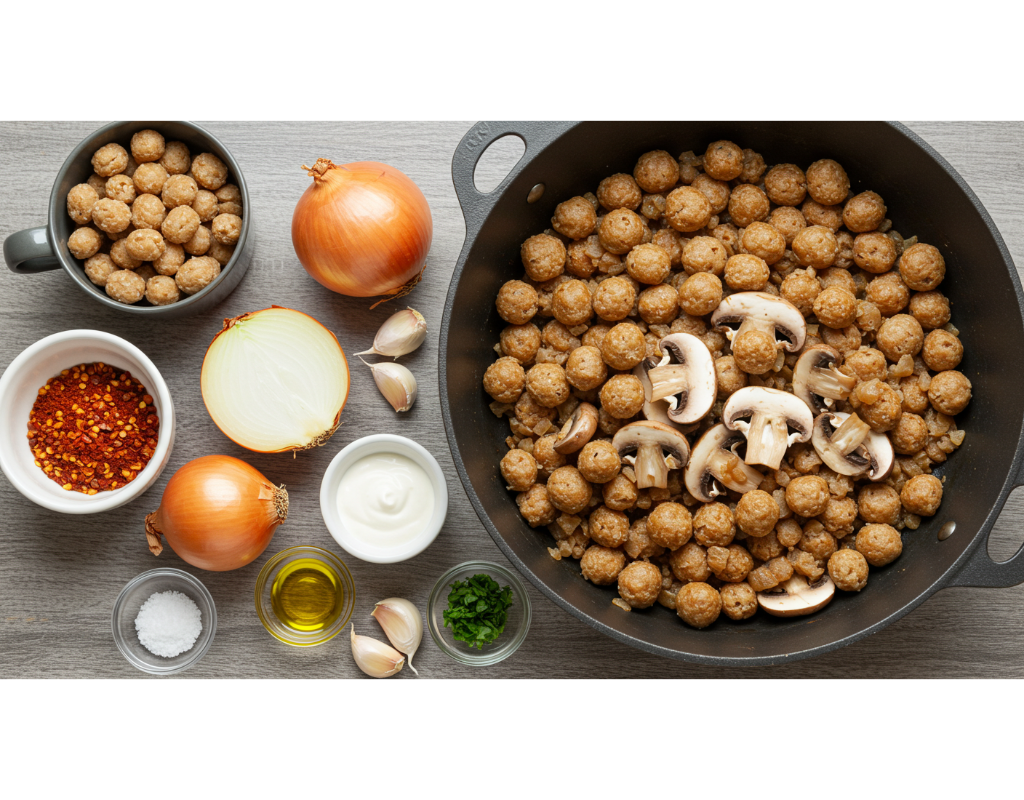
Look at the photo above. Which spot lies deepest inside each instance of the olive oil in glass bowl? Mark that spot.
(304, 596)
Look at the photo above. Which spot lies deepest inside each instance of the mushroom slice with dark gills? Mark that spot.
(652, 449)
(578, 429)
(714, 464)
(765, 416)
(796, 597)
(817, 380)
(684, 378)
(848, 446)
(761, 316)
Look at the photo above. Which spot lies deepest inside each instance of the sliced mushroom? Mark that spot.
(760, 311)
(578, 429)
(772, 413)
(656, 410)
(714, 459)
(796, 597)
(817, 380)
(685, 378)
(848, 446)
(652, 448)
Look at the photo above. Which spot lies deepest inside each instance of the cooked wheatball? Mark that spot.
(614, 299)
(145, 245)
(880, 544)
(516, 302)
(815, 247)
(226, 228)
(519, 469)
(690, 165)
(739, 601)
(571, 303)
(713, 524)
(209, 171)
(543, 257)
(147, 145)
(620, 231)
(196, 274)
(660, 304)
(755, 352)
(900, 335)
(199, 244)
(835, 307)
(877, 404)
(874, 252)
(845, 340)
(765, 548)
(557, 336)
(544, 448)
(585, 368)
(574, 218)
(80, 201)
(748, 204)
(869, 318)
(753, 166)
(670, 525)
(111, 216)
(624, 346)
(690, 563)
(648, 263)
(834, 276)
(546, 384)
(830, 217)
(864, 212)
(848, 570)
(505, 379)
(150, 178)
(179, 190)
(723, 160)
(698, 604)
(687, 209)
(731, 564)
(807, 495)
(910, 434)
(729, 376)
(205, 205)
(801, 290)
(704, 254)
(922, 495)
(878, 503)
(656, 172)
(535, 506)
(595, 335)
(161, 290)
(125, 286)
(120, 187)
(608, 528)
(949, 392)
(889, 293)
(98, 268)
(942, 351)
(170, 260)
(121, 257)
(931, 309)
(746, 273)
(716, 192)
(844, 257)
(619, 493)
(85, 242)
(569, 491)
(530, 413)
(922, 267)
(757, 513)
(827, 182)
(602, 565)
(110, 160)
(622, 396)
(839, 515)
(148, 212)
(764, 241)
(221, 252)
(640, 582)
(785, 185)
(700, 294)
(583, 257)
(521, 342)
(599, 461)
(176, 158)
(788, 221)
(619, 191)
(915, 399)
(640, 546)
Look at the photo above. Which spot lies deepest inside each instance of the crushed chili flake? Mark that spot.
(87, 438)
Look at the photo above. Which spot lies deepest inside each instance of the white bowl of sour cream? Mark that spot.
(384, 498)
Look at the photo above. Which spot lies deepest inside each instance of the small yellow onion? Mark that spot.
(217, 513)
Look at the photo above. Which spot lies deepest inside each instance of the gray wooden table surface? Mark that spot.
(59, 575)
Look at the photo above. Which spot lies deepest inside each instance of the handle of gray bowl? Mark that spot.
(475, 204)
(30, 251)
(981, 571)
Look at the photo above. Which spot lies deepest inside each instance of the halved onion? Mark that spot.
(275, 380)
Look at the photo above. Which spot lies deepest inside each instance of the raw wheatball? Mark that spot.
(209, 171)
(125, 286)
(170, 260)
(147, 145)
(196, 274)
(121, 257)
(80, 201)
(120, 187)
(111, 216)
(176, 158)
(148, 212)
(180, 225)
(84, 242)
(221, 252)
(150, 178)
(226, 228)
(110, 160)
(199, 244)
(145, 245)
(179, 190)
(99, 268)
(205, 205)
(161, 290)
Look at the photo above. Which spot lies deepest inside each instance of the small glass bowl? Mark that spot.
(137, 592)
(516, 627)
(265, 608)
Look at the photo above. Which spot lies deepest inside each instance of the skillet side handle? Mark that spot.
(981, 571)
(475, 204)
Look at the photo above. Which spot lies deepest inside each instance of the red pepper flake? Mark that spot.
(65, 396)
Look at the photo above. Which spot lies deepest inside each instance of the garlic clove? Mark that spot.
(402, 624)
(400, 334)
(376, 659)
(396, 383)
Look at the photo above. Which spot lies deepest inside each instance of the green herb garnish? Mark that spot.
(477, 610)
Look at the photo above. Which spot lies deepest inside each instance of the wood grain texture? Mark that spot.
(59, 575)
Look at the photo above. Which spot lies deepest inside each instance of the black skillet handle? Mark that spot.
(475, 204)
(981, 570)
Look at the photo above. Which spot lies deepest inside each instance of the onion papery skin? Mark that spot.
(362, 229)
(272, 372)
(217, 513)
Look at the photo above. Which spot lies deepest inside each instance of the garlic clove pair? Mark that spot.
(396, 383)
(400, 334)
(376, 659)
(402, 623)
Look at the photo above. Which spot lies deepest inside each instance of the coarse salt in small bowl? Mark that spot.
(126, 610)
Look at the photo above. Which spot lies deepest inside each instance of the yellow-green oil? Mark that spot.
(307, 595)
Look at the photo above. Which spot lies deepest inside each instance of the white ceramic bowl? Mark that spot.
(19, 386)
(369, 445)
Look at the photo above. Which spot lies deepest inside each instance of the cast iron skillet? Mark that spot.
(925, 196)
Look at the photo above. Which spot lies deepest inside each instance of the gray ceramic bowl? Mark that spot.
(45, 248)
